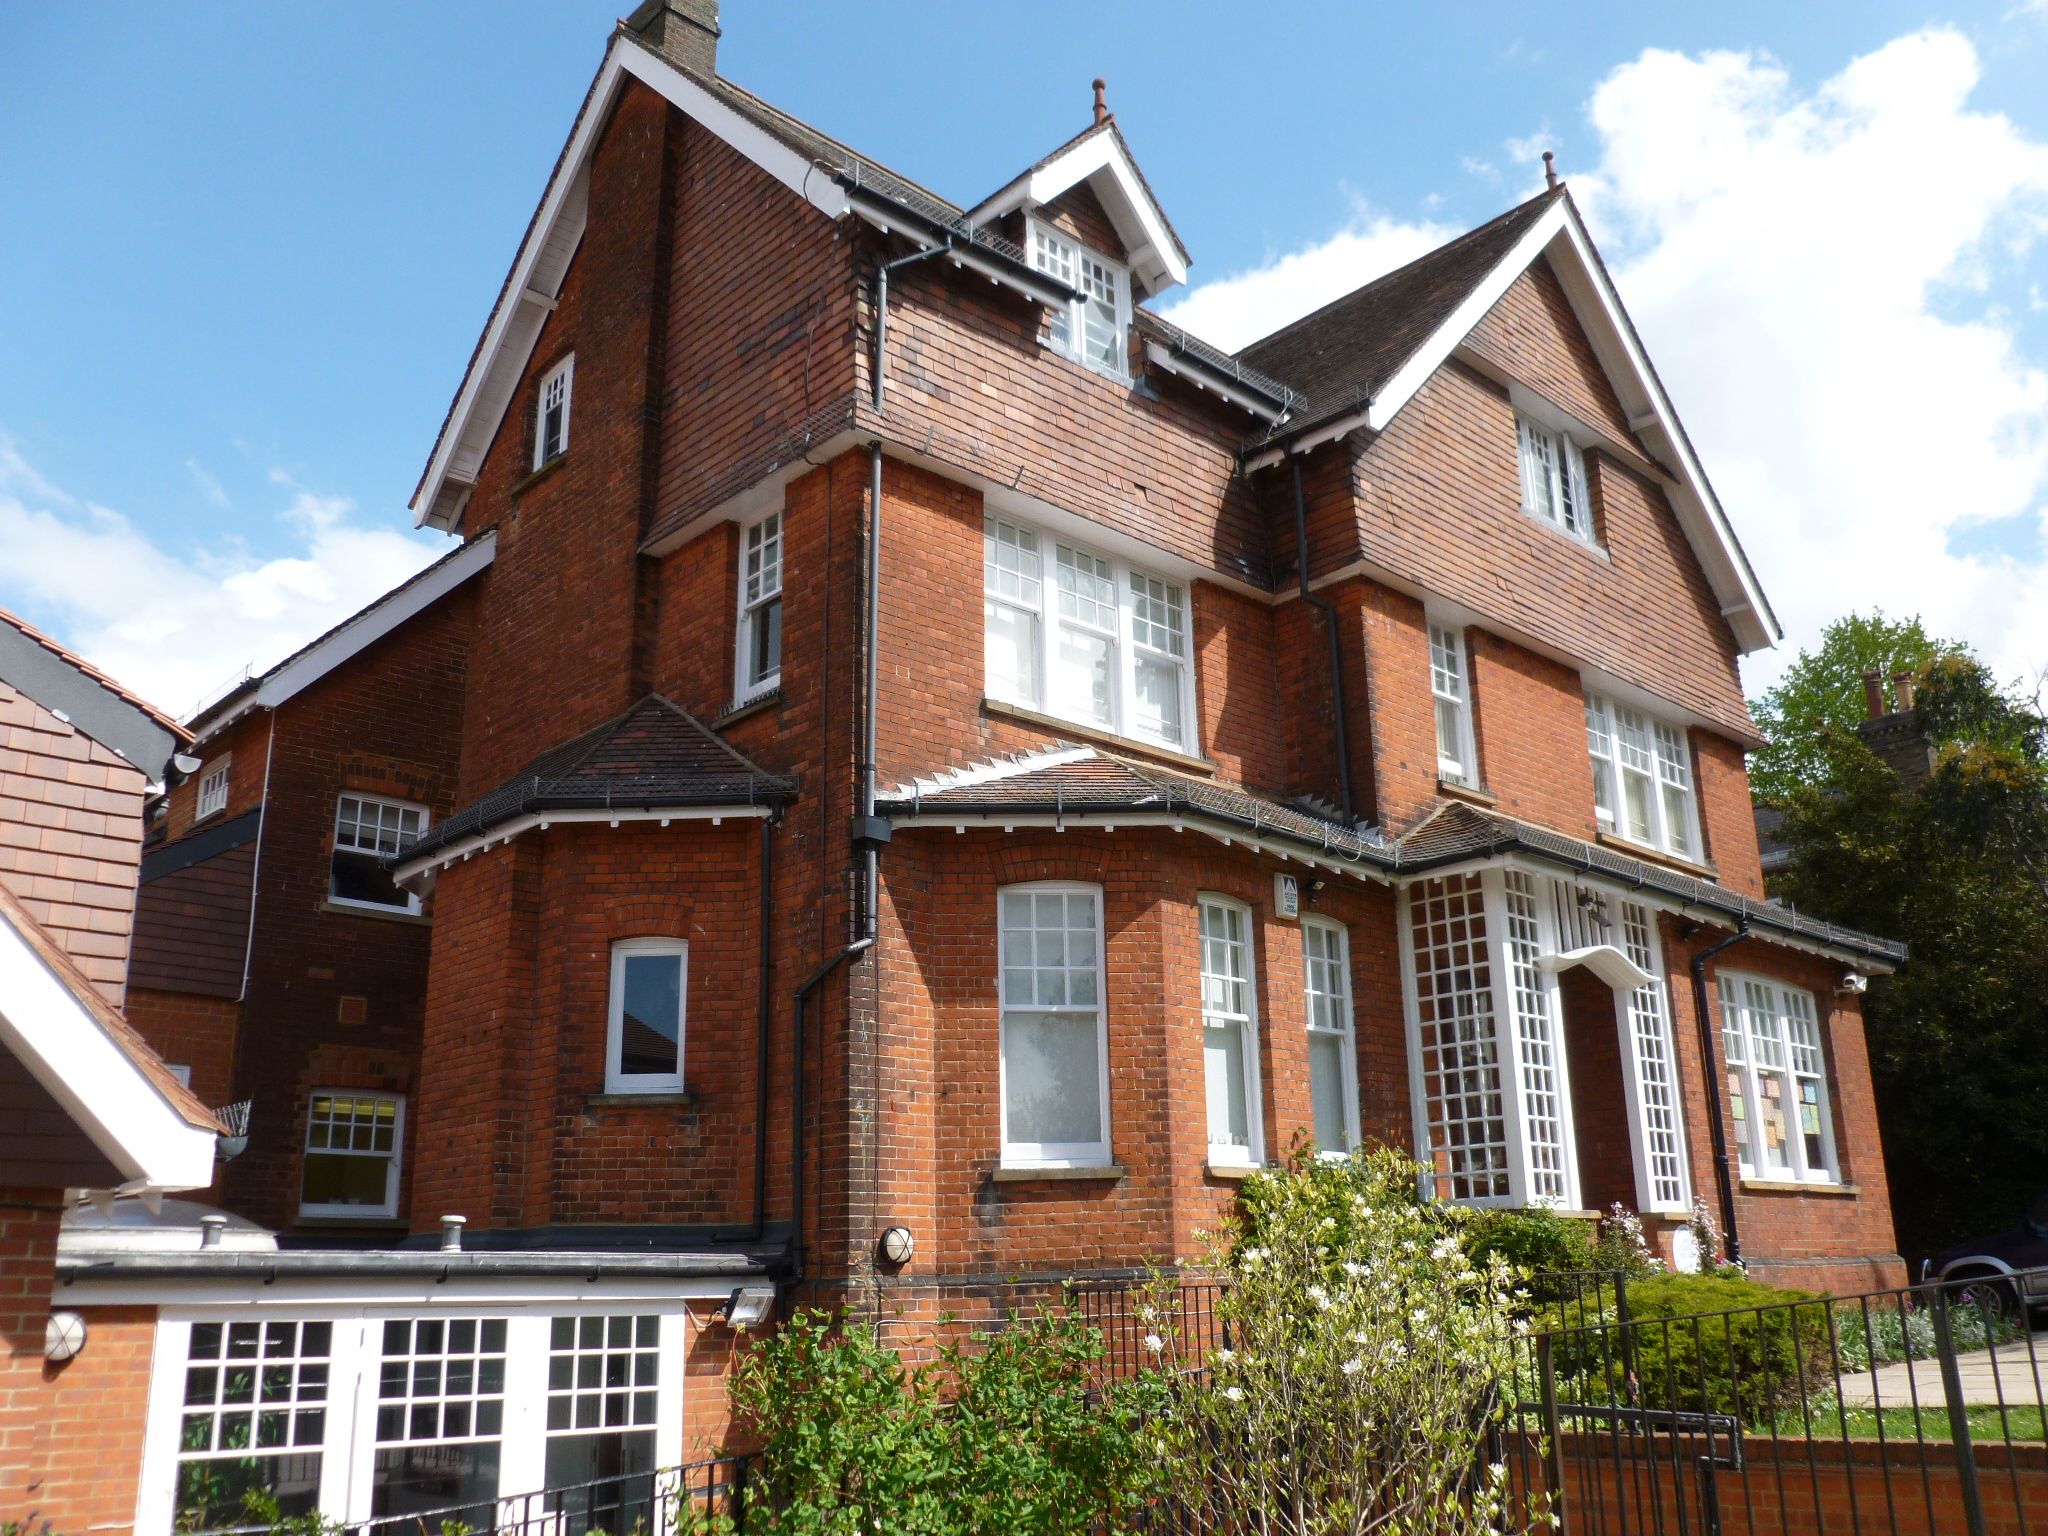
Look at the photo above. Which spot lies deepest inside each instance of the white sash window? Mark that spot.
(1230, 1045)
(1455, 758)
(1777, 1081)
(1642, 778)
(1554, 479)
(1332, 1034)
(1054, 1038)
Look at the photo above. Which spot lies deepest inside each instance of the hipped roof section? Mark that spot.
(1085, 784)
(656, 756)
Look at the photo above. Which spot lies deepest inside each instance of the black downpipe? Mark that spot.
(1718, 1132)
(1329, 613)
(764, 1010)
(793, 1270)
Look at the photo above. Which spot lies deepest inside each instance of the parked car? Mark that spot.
(2014, 1262)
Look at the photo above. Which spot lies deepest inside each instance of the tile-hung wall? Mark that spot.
(373, 1411)
(1492, 1086)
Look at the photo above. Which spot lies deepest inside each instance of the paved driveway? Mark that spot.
(2013, 1373)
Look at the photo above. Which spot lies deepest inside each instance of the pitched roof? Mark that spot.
(57, 1031)
(1345, 353)
(64, 682)
(656, 756)
(361, 629)
(1088, 784)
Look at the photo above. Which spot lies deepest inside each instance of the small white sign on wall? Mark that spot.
(1286, 896)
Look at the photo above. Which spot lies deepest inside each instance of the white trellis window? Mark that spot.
(1777, 1080)
(1091, 328)
(760, 628)
(253, 1418)
(440, 1414)
(1542, 1092)
(1554, 479)
(1642, 777)
(1054, 1040)
(551, 420)
(1332, 1035)
(1230, 1047)
(1455, 1047)
(1653, 1083)
(1092, 640)
(1455, 758)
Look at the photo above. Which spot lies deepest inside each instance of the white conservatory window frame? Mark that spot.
(1251, 1153)
(1052, 1154)
(1649, 1062)
(349, 1442)
(1033, 596)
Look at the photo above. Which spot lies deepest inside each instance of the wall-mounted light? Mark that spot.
(897, 1246)
(63, 1337)
(1854, 984)
(748, 1307)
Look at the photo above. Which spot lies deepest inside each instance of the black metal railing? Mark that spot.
(686, 1498)
(1913, 1410)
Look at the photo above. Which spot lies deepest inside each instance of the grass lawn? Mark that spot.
(2019, 1423)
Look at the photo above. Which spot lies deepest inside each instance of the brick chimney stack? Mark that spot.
(1893, 729)
(685, 32)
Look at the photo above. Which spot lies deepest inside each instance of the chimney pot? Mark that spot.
(210, 1226)
(1101, 100)
(451, 1233)
(1550, 170)
(1902, 687)
(1873, 693)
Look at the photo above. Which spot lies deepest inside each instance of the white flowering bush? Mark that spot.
(1354, 1389)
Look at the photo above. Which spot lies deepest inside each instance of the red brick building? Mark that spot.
(911, 739)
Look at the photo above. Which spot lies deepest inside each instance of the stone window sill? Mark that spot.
(1795, 1187)
(377, 914)
(1076, 1172)
(1475, 794)
(1129, 745)
(747, 709)
(672, 1100)
(1234, 1172)
(536, 476)
(1649, 855)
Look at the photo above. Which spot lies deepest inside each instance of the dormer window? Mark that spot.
(551, 424)
(1554, 479)
(1091, 328)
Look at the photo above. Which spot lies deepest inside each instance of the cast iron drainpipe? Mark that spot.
(1723, 1179)
(764, 1010)
(870, 832)
(1329, 613)
(882, 272)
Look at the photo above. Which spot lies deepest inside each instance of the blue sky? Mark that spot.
(245, 259)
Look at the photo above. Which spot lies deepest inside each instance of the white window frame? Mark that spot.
(752, 604)
(1758, 1019)
(1030, 1154)
(1122, 636)
(214, 784)
(1059, 253)
(1346, 1034)
(616, 1080)
(1450, 686)
(1624, 743)
(1555, 490)
(1228, 1154)
(326, 1210)
(411, 904)
(349, 1444)
(563, 373)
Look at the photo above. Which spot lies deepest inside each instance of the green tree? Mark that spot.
(1824, 687)
(1959, 870)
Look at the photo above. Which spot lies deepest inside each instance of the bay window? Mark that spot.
(1091, 328)
(1054, 1039)
(1554, 488)
(1230, 1047)
(1332, 1035)
(1777, 1080)
(1642, 778)
(1089, 639)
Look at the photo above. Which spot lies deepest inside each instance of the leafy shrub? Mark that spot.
(1892, 1331)
(1357, 1389)
(1697, 1343)
(1535, 1242)
(999, 1433)
(1623, 1245)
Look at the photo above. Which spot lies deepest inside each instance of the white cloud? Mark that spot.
(1812, 273)
(177, 627)
(1816, 274)
(209, 487)
(1244, 306)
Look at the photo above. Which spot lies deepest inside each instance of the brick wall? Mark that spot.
(1529, 716)
(93, 1412)
(70, 836)
(246, 746)
(28, 1255)
(192, 1031)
